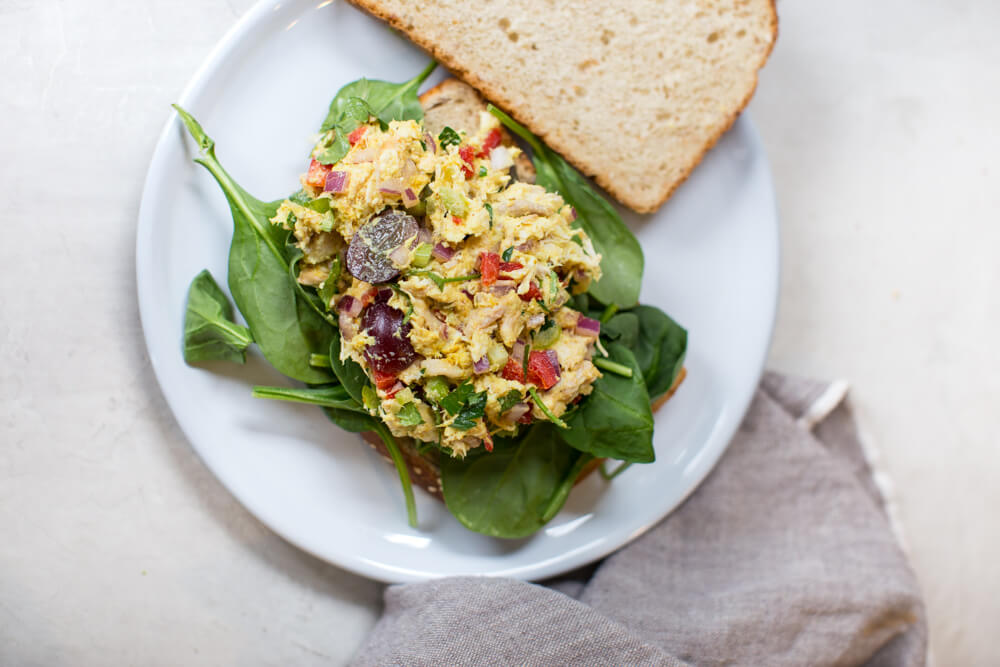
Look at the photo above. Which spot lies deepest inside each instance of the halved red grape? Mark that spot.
(392, 351)
(368, 254)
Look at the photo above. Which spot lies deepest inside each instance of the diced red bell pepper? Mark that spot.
(514, 370)
(532, 293)
(356, 134)
(316, 176)
(457, 220)
(511, 266)
(543, 368)
(526, 418)
(488, 442)
(468, 154)
(383, 381)
(489, 268)
(491, 141)
(368, 296)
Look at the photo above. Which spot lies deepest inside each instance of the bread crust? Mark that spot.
(581, 162)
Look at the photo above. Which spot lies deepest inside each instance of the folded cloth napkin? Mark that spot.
(784, 556)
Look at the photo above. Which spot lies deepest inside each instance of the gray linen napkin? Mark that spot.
(784, 556)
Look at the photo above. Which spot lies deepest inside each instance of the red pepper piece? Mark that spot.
(491, 141)
(542, 371)
(514, 370)
(316, 176)
(457, 220)
(383, 381)
(468, 154)
(511, 266)
(532, 293)
(489, 267)
(358, 132)
(488, 442)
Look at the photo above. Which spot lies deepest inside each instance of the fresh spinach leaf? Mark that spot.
(409, 415)
(471, 412)
(351, 420)
(622, 328)
(449, 137)
(286, 332)
(615, 421)
(387, 101)
(355, 102)
(515, 489)
(354, 112)
(210, 334)
(660, 349)
(327, 396)
(621, 256)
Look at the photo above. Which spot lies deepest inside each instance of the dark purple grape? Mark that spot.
(368, 254)
(392, 351)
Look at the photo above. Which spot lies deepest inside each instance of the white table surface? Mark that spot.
(118, 547)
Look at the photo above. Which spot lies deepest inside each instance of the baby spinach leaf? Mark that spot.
(356, 102)
(210, 333)
(660, 349)
(327, 396)
(351, 420)
(354, 112)
(615, 421)
(621, 256)
(449, 137)
(622, 328)
(515, 489)
(409, 415)
(471, 412)
(286, 332)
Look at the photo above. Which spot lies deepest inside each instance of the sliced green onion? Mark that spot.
(436, 389)
(544, 408)
(612, 367)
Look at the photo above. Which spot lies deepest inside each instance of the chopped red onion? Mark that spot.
(554, 360)
(423, 235)
(572, 214)
(400, 256)
(502, 287)
(336, 181)
(431, 144)
(500, 158)
(442, 252)
(482, 365)
(408, 170)
(391, 186)
(517, 411)
(410, 199)
(350, 306)
(587, 326)
(517, 352)
(347, 326)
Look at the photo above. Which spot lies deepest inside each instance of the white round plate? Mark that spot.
(711, 263)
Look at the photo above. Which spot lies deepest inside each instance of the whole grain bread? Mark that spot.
(633, 93)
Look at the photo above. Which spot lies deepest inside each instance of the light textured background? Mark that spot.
(118, 547)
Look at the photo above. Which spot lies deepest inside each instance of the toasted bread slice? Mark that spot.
(632, 93)
(457, 105)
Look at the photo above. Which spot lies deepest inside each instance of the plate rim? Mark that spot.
(386, 572)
